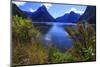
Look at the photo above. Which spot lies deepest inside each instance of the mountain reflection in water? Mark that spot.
(57, 36)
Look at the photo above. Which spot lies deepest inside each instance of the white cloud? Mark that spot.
(31, 10)
(19, 3)
(75, 10)
(47, 5)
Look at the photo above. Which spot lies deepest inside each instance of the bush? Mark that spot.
(55, 56)
(23, 31)
(84, 41)
(25, 45)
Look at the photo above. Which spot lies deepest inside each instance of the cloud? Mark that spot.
(75, 10)
(19, 3)
(31, 10)
(47, 5)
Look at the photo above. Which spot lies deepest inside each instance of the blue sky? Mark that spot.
(56, 10)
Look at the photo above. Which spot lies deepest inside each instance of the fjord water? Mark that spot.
(57, 36)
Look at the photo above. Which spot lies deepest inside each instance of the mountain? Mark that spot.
(69, 17)
(73, 17)
(42, 15)
(62, 18)
(17, 11)
(89, 15)
(29, 14)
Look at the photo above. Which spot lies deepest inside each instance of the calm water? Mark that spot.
(57, 36)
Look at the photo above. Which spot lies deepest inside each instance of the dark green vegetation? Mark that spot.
(28, 50)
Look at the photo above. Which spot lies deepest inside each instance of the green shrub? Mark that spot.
(25, 45)
(84, 41)
(55, 56)
(23, 31)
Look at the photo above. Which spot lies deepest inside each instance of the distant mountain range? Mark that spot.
(69, 17)
(42, 15)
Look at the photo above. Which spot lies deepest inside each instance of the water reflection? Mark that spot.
(57, 36)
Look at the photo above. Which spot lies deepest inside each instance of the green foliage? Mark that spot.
(23, 30)
(84, 37)
(26, 48)
(55, 56)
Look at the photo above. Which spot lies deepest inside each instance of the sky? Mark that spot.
(56, 10)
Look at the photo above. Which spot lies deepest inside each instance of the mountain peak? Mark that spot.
(69, 17)
(42, 8)
(72, 12)
(42, 15)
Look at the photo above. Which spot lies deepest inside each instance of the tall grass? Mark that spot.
(29, 54)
